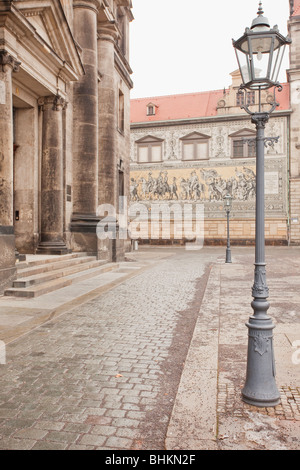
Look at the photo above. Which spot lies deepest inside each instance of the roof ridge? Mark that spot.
(179, 94)
(188, 93)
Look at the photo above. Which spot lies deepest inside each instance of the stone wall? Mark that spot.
(206, 182)
(294, 80)
(61, 151)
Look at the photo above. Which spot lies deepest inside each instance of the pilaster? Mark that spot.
(8, 65)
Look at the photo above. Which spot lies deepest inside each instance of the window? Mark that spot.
(151, 109)
(195, 146)
(149, 150)
(121, 112)
(243, 144)
(250, 98)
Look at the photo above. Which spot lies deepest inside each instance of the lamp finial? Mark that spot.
(260, 20)
(260, 9)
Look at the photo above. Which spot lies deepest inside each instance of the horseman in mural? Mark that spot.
(241, 186)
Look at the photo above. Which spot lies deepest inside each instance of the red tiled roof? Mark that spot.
(186, 106)
(296, 8)
(171, 107)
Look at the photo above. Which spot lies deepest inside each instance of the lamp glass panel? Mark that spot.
(227, 202)
(277, 61)
(260, 67)
(244, 65)
(261, 44)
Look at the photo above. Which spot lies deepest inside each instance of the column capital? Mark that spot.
(90, 4)
(7, 60)
(54, 102)
(108, 31)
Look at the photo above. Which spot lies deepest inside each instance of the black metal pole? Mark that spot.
(260, 388)
(228, 251)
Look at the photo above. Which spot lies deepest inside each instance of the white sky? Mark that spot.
(185, 46)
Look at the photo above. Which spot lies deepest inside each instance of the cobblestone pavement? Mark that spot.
(105, 375)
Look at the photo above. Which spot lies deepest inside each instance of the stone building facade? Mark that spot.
(294, 81)
(187, 149)
(64, 119)
(193, 149)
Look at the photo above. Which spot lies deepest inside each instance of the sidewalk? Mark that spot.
(208, 413)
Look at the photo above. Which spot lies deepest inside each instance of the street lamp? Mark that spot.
(227, 206)
(259, 54)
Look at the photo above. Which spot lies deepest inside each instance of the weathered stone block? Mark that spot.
(8, 259)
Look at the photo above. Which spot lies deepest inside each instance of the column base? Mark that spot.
(85, 239)
(7, 259)
(52, 248)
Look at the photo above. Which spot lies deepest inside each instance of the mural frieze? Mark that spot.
(208, 184)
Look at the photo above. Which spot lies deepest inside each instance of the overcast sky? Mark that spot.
(185, 46)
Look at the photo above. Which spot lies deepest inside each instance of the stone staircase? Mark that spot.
(44, 275)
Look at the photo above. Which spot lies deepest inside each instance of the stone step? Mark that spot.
(40, 289)
(40, 260)
(25, 271)
(26, 281)
(55, 284)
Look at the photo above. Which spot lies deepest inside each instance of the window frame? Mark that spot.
(149, 143)
(194, 139)
(250, 98)
(248, 149)
(151, 109)
(121, 112)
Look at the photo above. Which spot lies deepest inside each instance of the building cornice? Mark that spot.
(208, 120)
(90, 4)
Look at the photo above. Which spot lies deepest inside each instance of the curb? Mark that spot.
(193, 423)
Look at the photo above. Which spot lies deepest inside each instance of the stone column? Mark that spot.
(8, 65)
(107, 35)
(85, 142)
(52, 191)
(108, 116)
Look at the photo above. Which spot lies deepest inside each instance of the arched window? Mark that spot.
(151, 109)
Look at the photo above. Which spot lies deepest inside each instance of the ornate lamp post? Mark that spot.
(259, 54)
(227, 206)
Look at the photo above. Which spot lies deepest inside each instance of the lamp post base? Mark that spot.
(260, 387)
(263, 403)
(228, 256)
